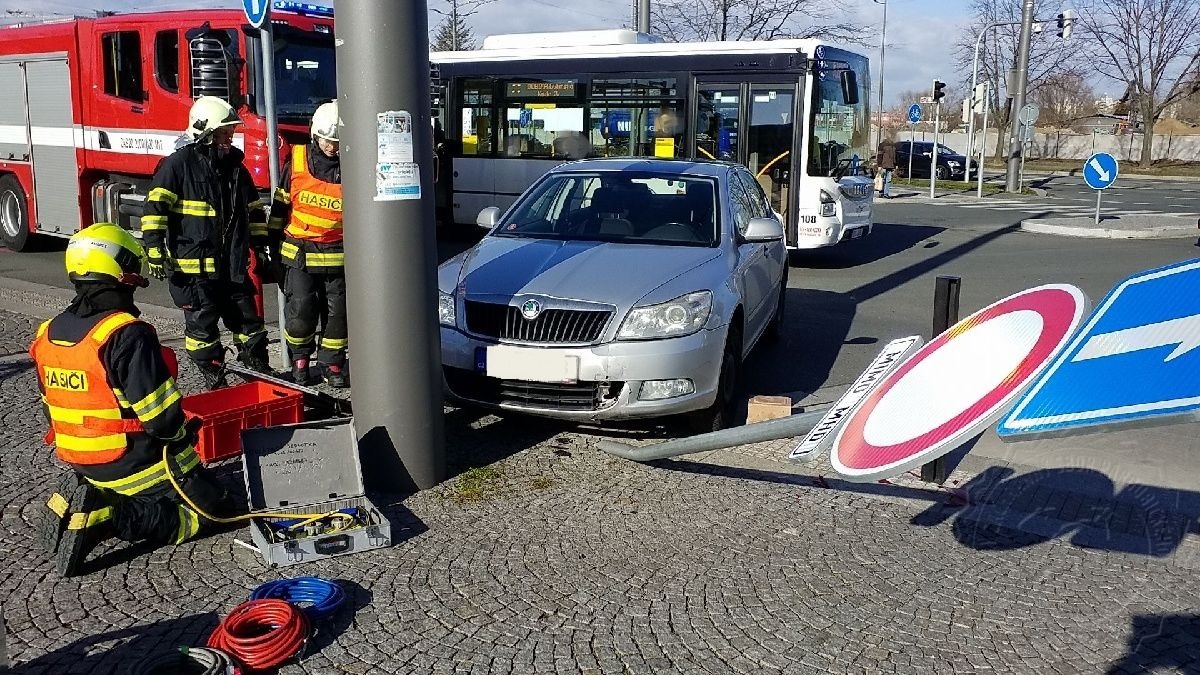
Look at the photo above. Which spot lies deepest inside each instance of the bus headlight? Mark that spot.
(828, 205)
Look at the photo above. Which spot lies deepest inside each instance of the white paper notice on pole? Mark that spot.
(821, 437)
(395, 136)
(395, 182)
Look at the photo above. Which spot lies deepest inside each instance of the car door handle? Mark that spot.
(135, 108)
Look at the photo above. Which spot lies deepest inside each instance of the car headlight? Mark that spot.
(682, 316)
(446, 311)
(954, 165)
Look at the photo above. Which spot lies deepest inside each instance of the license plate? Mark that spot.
(507, 362)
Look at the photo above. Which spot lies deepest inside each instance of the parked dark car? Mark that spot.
(950, 163)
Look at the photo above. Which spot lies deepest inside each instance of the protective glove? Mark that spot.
(269, 268)
(157, 263)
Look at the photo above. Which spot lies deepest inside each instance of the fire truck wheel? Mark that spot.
(14, 215)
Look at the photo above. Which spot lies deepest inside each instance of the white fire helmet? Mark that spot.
(325, 121)
(209, 113)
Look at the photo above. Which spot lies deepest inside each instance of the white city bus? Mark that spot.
(795, 112)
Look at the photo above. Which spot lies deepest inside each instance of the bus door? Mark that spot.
(751, 121)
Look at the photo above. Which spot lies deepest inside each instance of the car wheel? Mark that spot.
(775, 328)
(14, 215)
(942, 173)
(720, 414)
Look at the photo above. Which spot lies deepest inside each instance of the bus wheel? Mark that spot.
(14, 215)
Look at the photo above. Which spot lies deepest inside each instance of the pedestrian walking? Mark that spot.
(203, 216)
(307, 207)
(886, 161)
(116, 416)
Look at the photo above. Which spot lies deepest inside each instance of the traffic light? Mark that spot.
(1065, 20)
(938, 91)
(979, 97)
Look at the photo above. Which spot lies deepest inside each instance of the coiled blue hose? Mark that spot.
(317, 598)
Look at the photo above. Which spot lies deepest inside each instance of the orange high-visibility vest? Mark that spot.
(87, 420)
(316, 205)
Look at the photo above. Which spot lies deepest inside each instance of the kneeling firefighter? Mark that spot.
(309, 201)
(108, 389)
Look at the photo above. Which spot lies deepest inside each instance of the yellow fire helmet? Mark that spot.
(105, 252)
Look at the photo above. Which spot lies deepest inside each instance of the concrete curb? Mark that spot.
(1070, 230)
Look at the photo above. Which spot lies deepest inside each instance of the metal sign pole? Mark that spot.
(1024, 150)
(267, 42)
(987, 99)
(937, 121)
(1098, 194)
(912, 132)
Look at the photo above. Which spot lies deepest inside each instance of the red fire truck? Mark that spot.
(89, 106)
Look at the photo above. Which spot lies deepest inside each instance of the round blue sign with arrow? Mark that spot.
(914, 113)
(1100, 171)
(256, 11)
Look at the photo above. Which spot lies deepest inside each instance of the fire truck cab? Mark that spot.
(90, 106)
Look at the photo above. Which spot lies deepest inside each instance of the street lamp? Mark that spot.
(882, 44)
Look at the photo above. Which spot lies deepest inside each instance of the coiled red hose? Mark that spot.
(262, 634)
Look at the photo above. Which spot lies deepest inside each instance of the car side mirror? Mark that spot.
(488, 217)
(762, 230)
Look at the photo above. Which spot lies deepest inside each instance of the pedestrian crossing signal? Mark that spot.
(1065, 21)
(938, 91)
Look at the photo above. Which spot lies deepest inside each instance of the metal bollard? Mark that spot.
(945, 314)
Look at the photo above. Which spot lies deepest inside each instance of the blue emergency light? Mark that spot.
(305, 8)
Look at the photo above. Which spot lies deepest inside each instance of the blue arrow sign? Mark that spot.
(1100, 170)
(914, 113)
(256, 11)
(1135, 360)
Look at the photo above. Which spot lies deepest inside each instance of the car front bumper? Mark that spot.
(610, 377)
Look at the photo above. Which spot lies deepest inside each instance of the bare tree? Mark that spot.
(688, 20)
(1154, 45)
(453, 33)
(1049, 55)
(1064, 97)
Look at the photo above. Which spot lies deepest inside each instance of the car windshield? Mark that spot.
(624, 207)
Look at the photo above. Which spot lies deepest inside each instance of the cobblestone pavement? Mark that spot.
(557, 558)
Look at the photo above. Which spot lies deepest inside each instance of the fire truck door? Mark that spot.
(54, 135)
(124, 121)
(14, 123)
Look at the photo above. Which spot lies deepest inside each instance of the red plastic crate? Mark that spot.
(225, 412)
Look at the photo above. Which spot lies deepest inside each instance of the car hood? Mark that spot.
(501, 268)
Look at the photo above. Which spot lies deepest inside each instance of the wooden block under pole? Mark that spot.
(763, 408)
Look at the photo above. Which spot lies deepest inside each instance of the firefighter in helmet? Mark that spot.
(115, 413)
(203, 217)
(307, 207)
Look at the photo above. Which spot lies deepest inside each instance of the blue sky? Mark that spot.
(919, 32)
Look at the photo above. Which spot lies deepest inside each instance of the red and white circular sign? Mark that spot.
(957, 384)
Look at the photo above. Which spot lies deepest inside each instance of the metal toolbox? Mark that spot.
(307, 468)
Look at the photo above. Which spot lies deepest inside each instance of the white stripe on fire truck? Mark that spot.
(124, 141)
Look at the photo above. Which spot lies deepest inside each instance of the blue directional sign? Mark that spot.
(1134, 361)
(914, 113)
(256, 11)
(1100, 170)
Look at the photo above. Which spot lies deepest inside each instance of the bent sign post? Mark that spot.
(821, 436)
(957, 384)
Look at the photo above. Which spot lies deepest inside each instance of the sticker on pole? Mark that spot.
(1134, 362)
(957, 384)
(821, 436)
(397, 174)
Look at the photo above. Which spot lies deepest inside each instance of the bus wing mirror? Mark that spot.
(849, 87)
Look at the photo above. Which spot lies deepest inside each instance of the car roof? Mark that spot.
(672, 167)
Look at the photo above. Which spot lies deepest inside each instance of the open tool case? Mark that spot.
(309, 468)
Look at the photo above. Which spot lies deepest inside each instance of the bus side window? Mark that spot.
(474, 102)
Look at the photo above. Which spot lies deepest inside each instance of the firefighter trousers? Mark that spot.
(205, 302)
(312, 298)
(146, 507)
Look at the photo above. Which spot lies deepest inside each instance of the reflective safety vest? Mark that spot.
(87, 420)
(316, 205)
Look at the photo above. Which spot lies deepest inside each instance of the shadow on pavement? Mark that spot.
(113, 652)
(1161, 642)
(1006, 511)
(886, 239)
(327, 630)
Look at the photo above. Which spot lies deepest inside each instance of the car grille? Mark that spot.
(504, 322)
(582, 396)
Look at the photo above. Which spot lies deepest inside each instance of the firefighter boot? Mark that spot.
(336, 376)
(89, 523)
(213, 372)
(257, 360)
(53, 520)
(300, 371)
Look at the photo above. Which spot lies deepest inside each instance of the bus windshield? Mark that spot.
(838, 131)
(305, 76)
